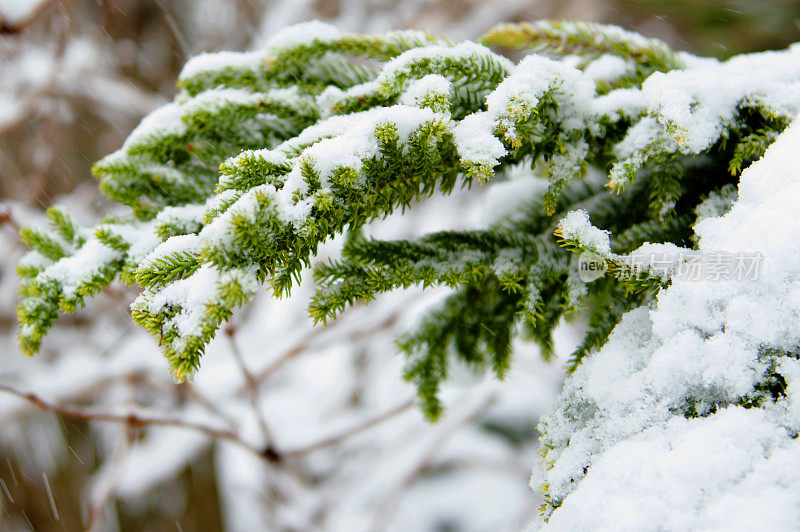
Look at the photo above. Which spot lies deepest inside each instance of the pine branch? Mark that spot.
(266, 155)
(572, 37)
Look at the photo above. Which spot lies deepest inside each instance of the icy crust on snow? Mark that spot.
(623, 446)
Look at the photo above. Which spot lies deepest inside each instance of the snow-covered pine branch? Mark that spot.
(265, 155)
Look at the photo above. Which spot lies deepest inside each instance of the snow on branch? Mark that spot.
(264, 157)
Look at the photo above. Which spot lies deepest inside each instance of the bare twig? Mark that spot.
(301, 347)
(444, 432)
(336, 439)
(191, 392)
(133, 418)
(307, 342)
(251, 384)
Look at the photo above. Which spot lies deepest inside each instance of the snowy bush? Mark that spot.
(265, 156)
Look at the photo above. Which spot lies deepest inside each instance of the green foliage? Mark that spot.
(264, 156)
(587, 40)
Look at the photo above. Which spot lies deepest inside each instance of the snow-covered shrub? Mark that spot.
(266, 155)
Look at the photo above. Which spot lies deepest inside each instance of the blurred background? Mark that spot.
(348, 450)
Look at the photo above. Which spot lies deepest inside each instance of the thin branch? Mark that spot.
(251, 384)
(336, 439)
(294, 351)
(132, 418)
(445, 431)
(191, 392)
(307, 342)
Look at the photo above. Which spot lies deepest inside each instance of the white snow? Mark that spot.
(171, 246)
(185, 216)
(303, 33)
(717, 203)
(211, 62)
(476, 143)
(688, 110)
(516, 98)
(191, 296)
(165, 120)
(215, 100)
(78, 268)
(734, 469)
(439, 54)
(576, 226)
(621, 444)
(339, 142)
(426, 87)
(534, 76)
(609, 68)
